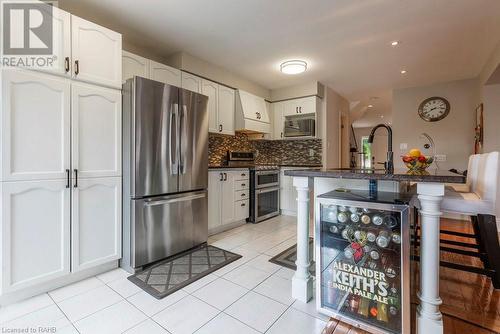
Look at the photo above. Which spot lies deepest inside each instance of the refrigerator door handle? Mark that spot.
(173, 155)
(183, 137)
(175, 200)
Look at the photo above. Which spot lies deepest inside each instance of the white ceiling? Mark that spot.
(346, 42)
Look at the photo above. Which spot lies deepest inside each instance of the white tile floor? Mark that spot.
(248, 296)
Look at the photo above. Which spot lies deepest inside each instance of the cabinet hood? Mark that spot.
(252, 114)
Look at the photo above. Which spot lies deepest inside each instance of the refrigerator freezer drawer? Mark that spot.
(166, 225)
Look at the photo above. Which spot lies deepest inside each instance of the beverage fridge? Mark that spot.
(363, 259)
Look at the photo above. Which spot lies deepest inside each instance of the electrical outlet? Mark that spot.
(440, 157)
(311, 152)
(403, 146)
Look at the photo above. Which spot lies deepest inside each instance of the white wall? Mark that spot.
(453, 136)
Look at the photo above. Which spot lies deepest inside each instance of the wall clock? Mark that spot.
(434, 109)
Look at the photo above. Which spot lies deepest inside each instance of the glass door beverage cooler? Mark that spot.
(363, 259)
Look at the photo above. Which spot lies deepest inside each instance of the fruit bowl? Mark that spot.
(417, 164)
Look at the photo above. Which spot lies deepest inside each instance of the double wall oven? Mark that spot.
(264, 186)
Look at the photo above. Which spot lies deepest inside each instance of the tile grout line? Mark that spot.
(60, 309)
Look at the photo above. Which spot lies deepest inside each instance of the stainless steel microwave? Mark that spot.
(303, 125)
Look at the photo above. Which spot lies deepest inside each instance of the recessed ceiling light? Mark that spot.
(370, 106)
(293, 66)
(395, 43)
(403, 71)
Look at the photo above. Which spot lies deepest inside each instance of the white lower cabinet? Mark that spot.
(35, 233)
(96, 222)
(228, 198)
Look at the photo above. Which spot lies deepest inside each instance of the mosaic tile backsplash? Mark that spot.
(279, 152)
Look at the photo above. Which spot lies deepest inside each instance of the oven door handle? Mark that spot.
(270, 172)
(267, 190)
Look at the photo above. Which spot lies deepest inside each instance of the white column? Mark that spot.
(429, 319)
(302, 281)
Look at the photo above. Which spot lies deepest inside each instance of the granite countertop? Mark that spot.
(435, 176)
(211, 166)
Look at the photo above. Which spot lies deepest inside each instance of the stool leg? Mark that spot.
(480, 241)
(489, 234)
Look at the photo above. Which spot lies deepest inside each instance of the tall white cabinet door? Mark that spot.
(96, 222)
(226, 106)
(210, 89)
(35, 232)
(97, 53)
(227, 199)
(278, 120)
(36, 126)
(96, 131)
(191, 82)
(214, 199)
(134, 65)
(166, 74)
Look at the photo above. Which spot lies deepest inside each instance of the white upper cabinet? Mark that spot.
(35, 232)
(210, 89)
(97, 53)
(95, 228)
(306, 105)
(35, 126)
(134, 65)
(226, 99)
(191, 82)
(96, 131)
(165, 74)
(278, 122)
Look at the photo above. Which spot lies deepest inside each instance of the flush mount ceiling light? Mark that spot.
(395, 43)
(403, 71)
(293, 66)
(370, 106)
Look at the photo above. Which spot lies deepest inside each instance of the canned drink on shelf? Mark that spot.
(349, 253)
(360, 236)
(377, 220)
(390, 221)
(331, 215)
(354, 218)
(371, 237)
(364, 304)
(334, 229)
(382, 312)
(348, 233)
(342, 208)
(396, 238)
(375, 255)
(342, 217)
(366, 210)
(383, 239)
(365, 219)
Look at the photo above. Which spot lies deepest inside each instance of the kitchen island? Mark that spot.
(430, 188)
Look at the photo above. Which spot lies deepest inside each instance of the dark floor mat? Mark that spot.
(166, 277)
(288, 257)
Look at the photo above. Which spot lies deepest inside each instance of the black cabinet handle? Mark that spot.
(225, 176)
(243, 195)
(66, 64)
(243, 184)
(243, 204)
(221, 177)
(76, 178)
(77, 67)
(243, 174)
(67, 178)
(220, 127)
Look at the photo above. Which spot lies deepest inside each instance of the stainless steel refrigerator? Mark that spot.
(165, 168)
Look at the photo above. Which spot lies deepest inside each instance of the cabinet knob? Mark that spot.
(243, 174)
(243, 204)
(220, 127)
(243, 195)
(243, 184)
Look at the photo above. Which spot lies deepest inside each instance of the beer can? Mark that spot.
(348, 233)
(342, 217)
(383, 239)
(360, 236)
(382, 312)
(353, 209)
(334, 229)
(342, 208)
(365, 219)
(390, 221)
(366, 210)
(375, 255)
(377, 220)
(364, 304)
(396, 238)
(349, 252)
(354, 218)
(371, 237)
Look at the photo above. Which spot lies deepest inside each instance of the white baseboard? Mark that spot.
(12, 297)
(289, 213)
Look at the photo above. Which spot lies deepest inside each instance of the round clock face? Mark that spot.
(434, 109)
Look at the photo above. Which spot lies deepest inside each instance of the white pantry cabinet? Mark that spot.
(96, 53)
(96, 222)
(96, 131)
(191, 82)
(35, 232)
(134, 65)
(35, 126)
(228, 198)
(165, 74)
(278, 120)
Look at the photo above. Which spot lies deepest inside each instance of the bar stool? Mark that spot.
(476, 197)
